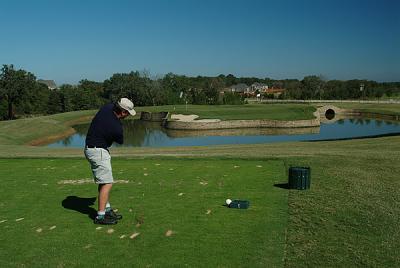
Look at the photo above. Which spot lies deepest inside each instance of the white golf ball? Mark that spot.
(228, 201)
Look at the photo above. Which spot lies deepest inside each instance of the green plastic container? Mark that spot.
(299, 178)
(241, 204)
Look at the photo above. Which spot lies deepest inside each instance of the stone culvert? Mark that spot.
(330, 114)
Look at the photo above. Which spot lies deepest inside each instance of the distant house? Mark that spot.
(239, 88)
(258, 86)
(49, 83)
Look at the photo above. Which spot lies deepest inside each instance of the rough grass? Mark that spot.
(350, 217)
(184, 197)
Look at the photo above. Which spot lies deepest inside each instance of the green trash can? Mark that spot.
(299, 178)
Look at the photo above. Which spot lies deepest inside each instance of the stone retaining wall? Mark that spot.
(154, 117)
(193, 125)
(179, 133)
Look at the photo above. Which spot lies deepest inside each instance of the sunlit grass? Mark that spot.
(175, 207)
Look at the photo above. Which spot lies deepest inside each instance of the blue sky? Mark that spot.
(72, 40)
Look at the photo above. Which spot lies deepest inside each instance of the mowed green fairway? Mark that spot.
(45, 221)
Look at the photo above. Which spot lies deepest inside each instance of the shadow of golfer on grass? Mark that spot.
(80, 204)
(282, 185)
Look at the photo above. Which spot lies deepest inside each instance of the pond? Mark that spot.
(139, 133)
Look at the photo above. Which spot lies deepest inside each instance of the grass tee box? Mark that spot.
(174, 214)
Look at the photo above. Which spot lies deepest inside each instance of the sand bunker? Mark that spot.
(190, 118)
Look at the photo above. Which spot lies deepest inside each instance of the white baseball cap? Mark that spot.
(127, 105)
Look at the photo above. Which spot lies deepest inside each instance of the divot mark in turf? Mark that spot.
(39, 230)
(171, 169)
(44, 184)
(86, 181)
(139, 220)
(52, 227)
(203, 183)
(169, 233)
(145, 174)
(134, 235)
(122, 236)
(157, 164)
(88, 246)
(259, 166)
(208, 211)
(3, 221)
(110, 231)
(180, 194)
(99, 228)
(20, 219)
(236, 166)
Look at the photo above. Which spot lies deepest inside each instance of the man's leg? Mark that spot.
(105, 206)
(104, 194)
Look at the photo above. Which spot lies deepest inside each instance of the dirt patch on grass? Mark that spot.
(169, 233)
(86, 180)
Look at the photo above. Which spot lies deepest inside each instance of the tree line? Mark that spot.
(22, 95)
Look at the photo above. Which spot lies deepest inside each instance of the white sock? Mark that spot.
(101, 213)
(108, 206)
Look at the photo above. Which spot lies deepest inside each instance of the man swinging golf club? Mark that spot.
(105, 129)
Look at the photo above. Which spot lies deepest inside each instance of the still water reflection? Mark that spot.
(150, 134)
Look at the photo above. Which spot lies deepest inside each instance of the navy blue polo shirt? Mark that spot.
(105, 128)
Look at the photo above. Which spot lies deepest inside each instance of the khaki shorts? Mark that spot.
(100, 163)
